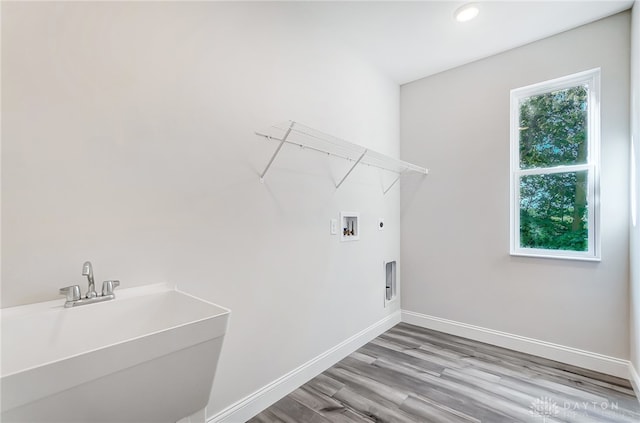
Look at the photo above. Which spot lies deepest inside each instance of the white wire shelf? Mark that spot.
(303, 136)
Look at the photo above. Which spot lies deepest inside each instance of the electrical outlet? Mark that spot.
(334, 226)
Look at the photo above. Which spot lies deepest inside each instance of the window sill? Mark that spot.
(554, 256)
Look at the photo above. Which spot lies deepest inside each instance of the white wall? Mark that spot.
(128, 141)
(455, 227)
(635, 223)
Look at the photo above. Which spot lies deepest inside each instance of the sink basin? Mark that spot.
(148, 356)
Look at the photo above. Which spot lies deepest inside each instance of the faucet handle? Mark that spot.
(109, 286)
(72, 292)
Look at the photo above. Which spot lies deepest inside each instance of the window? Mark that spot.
(555, 134)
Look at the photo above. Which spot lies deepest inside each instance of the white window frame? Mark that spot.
(591, 78)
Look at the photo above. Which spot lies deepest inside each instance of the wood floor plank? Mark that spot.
(315, 400)
(434, 411)
(411, 357)
(291, 411)
(467, 404)
(328, 407)
(266, 416)
(423, 383)
(325, 384)
(412, 374)
(376, 390)
(377, 412)
(504, 354)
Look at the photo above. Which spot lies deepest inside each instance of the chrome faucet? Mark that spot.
(87, 270)
(74, 296)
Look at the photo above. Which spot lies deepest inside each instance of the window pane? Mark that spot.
(553, 211)
(553, 128)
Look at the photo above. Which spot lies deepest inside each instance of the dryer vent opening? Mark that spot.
(390, 280)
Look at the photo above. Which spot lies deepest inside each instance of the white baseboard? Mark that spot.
(635, 380)
(569, 355)
(251, 405)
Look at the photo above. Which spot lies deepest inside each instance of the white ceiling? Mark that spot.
(411, 40)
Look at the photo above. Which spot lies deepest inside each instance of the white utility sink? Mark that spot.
(148, 356)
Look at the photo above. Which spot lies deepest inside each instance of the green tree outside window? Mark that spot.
(555, 137)
(553, 207)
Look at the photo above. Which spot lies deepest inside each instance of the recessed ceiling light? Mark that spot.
(466, 12)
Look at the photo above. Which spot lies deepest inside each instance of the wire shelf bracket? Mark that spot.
(275, 153)
(305, 137)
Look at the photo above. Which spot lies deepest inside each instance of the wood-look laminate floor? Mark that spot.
(412, 374)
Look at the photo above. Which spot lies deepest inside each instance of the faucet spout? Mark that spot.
(75, 298)
(87, 270)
